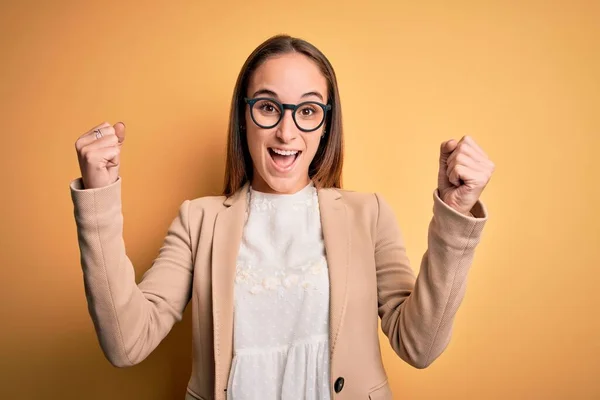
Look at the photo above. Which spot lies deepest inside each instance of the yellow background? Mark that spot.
(523, 78)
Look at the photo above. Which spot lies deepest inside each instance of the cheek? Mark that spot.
(253, 140)
(312, 143)
(256, 138)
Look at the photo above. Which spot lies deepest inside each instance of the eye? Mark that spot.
(307, 110)
(267, 107)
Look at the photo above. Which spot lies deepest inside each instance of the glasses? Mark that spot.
(267, 113)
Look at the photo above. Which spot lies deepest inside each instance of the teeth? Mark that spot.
(285, 152)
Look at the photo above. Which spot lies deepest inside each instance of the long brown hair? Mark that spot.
(326, 168)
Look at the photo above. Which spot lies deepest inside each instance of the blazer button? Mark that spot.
(338, 385)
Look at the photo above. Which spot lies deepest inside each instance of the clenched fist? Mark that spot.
(98, 152)
(464, 172)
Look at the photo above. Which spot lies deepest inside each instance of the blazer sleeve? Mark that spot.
(130, 319)
(417, 314)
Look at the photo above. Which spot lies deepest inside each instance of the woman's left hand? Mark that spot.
(465, 170)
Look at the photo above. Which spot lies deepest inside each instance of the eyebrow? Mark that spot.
(273, 94)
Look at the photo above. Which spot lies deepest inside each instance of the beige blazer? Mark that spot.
(370, 276)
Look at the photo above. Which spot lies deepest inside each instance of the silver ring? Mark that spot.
(98, 133)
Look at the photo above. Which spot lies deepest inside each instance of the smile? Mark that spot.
(284, 160)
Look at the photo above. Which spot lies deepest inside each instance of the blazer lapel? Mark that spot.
(227, 236)
(336, 235)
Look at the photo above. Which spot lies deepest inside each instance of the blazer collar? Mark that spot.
(239, 195)
(227, 236)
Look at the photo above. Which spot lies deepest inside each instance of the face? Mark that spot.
(281, 155)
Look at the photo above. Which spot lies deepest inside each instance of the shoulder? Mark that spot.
(358, 199)
(372, 204)
(195, 210)
(369, 210)
(207, 204)
(362, 199)
(368, 204)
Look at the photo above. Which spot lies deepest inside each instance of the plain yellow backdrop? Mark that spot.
(521, 77)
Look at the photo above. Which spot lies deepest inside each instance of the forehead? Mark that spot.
(290, 76)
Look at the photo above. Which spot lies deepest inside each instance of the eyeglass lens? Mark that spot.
(267, 114)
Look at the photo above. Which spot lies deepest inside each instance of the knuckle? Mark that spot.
(87, 156)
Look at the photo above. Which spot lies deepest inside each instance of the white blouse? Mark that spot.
(281, 314)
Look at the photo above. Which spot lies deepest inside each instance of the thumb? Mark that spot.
(446, 149)
(120, 131)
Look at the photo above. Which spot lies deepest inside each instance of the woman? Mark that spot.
(287, 273)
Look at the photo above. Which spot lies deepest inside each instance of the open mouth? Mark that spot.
(284, 160)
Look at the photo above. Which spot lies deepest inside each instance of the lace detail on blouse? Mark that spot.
(257, 280)
(281, 315)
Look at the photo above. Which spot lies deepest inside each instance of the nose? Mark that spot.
(287, 129)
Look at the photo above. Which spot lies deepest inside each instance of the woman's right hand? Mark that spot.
(99, 158)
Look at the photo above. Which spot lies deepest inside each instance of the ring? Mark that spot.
(98, 133)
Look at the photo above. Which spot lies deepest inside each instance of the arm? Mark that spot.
(130, 319)
(417, 313)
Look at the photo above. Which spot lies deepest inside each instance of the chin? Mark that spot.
(283, 184)
(272, 181)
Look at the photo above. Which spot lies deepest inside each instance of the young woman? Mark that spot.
(287, 272)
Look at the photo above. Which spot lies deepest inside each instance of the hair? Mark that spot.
(325, 169)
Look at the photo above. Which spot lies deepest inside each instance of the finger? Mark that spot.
(96, 144)
(106, 156)
(91, 136)
(463, 158)
(454, 174)
(470, 147)
(120, 131)
(447, 147)
(110, 156)
(468, 171)
(470, 142)
(102, 125)
(88, 137)
(91, 131)
(463, 150)
(116, 158)
(461, 174)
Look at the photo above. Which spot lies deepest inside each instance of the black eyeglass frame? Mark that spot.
(285, 106)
